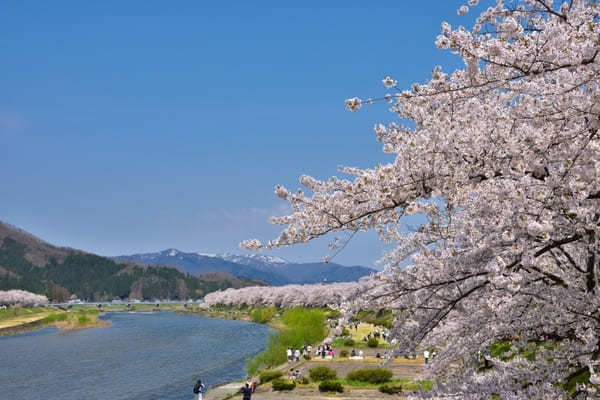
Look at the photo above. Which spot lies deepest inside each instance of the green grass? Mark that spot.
(21, 312)
(262, 315)
(380, 318)
(407, 384)
(301, 325)
(54, 317)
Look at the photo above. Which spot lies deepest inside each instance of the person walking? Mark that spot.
(246, 392)
(199, 388)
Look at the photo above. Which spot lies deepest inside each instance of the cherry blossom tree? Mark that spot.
(317, 295)
(21, 297)
(502, 157)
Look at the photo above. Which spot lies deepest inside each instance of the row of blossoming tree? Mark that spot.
(21, 297)
(285, 296)
(503, 158)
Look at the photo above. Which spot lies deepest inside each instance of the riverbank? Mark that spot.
(21, 320)
(405, 374)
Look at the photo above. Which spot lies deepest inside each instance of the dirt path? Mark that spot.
(401, 368)
(314, 394)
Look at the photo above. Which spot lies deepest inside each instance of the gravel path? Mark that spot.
(314, 394)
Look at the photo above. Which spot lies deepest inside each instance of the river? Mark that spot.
(139, 356)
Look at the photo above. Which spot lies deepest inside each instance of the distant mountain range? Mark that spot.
(29, 263)
(274, 270)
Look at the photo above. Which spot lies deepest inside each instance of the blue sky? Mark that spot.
(133, 126)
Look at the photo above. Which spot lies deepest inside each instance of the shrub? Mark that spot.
(371, 375)
(303, 381)
(269, 375)
(373, 342)
(391, 388)
(306, 357)
(344, 353)
(322, 373)
(263, 315)
(83, 319)
(55, 317)
(283, 384)
(345, 332)
(331, 386)
(348, 342)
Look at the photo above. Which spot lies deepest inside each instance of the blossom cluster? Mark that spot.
(21, 297)
(502, 157)
(317, 295)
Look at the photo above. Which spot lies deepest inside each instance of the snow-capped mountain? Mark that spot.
(254, 260)
(275, 270)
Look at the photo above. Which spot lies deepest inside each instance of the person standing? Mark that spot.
(250, 383)
(297, 355)
(246, 392)
(426, 356)
(199, 388)
(289, 355)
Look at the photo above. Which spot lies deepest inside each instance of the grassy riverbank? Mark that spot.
(299, 326)
(18, 320)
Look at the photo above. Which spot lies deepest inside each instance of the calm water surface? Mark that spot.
(140, 356)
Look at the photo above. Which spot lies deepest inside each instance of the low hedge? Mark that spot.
(322, 373)
(344, 353)
(372, 342)
(371, 375)
(391, 388)
(283, 384)
(269, 375)
(331, 386)
(348, 342)
(302, 381)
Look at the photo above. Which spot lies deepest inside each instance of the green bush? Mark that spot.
(348, 342)
(303, 381)
(373, 342)
(344, 353)
(345, 332)
(331, 386)
(269, 375)
(83, 319)
(283, 384)
(263, 315)
(322, 373)
(371, 375)
(55, 317)
(391, 388)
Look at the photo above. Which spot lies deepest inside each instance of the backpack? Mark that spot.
(197, 388)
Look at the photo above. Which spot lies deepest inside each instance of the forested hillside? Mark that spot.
(66, 271)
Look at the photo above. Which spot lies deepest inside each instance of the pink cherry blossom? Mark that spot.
(503, 160)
